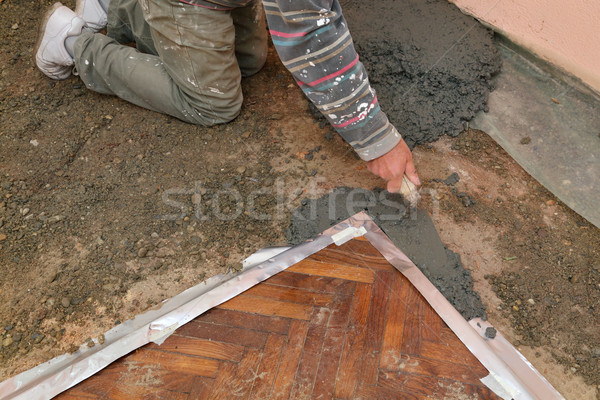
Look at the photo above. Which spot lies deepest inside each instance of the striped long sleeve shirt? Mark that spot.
(315, 45)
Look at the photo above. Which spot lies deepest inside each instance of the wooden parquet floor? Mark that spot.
(342, 324)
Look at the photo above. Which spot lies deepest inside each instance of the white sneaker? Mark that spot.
(51, 55)
(92, 13)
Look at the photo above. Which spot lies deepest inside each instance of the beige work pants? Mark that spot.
(188, 60)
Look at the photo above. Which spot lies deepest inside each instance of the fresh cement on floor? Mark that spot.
(430, 64)
(412, 231)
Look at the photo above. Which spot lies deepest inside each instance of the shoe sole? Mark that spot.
(42, 30)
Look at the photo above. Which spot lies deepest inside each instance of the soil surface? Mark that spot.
(107, 209)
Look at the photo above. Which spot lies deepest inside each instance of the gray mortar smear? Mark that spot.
(415, 235)
(430, 64)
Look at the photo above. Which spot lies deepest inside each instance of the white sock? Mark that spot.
(70, 44)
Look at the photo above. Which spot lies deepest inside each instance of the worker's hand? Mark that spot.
(393, 165)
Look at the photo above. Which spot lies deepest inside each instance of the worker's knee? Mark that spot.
(253, 63)
(214, 110)
(226, 112)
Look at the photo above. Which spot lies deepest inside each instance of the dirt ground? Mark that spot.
(107, 209)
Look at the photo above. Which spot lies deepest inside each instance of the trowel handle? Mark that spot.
(409, 191)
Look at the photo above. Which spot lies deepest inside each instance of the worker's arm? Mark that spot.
(313, 42)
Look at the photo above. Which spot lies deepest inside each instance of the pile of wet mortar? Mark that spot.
(414, 234)
(430, 64)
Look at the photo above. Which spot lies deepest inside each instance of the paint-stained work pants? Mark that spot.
(188, 61)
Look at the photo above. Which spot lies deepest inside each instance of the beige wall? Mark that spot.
(564, 32)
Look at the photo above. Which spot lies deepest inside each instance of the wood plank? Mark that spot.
(135, 373)
(95, 387)
(339, 257)
(241, 385)
(200, 347)
(459, 350)
(292, 295)
(311, 354)
(289, 361)
(361, 238)
(312, 283)
(394, 329)
(247, 321)
(127, 392)
(176, 362)
(480, 392)
(436, 369)
(443, 352)
(75, 395)
(354, 247)
(332, 349)
(201, 388)
(432, 324)
(259, 305)
(411, 340)
(352, 352)
(416, 385)
(349, 273)
(433, 388)
(268, 367)
(373, 392)
(223, 333)
(220, 389)
(79, 391)
(376, 325)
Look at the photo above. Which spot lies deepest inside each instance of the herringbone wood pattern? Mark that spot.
(342, 324)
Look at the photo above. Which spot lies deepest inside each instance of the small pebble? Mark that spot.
(490, 332)
(65, 302)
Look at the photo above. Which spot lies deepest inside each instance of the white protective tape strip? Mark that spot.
(348, 234)
(516, 361)
(498, 386)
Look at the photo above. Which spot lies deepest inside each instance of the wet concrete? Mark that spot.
(430, 64)
(415, 235)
